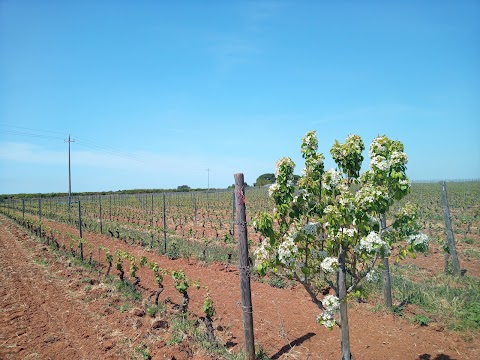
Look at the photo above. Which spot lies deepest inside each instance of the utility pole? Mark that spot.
(69, 172)
(208, 179)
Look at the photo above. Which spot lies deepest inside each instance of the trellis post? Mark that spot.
(452, 251)
(245, 268)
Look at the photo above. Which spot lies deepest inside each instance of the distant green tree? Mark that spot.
(233, 186)
(265, 179)
(183, 188)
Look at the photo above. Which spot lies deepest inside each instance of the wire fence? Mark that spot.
(202, 223)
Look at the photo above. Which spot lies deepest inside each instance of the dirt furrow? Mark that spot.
(39, 320)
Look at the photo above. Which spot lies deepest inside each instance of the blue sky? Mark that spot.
(157, 92)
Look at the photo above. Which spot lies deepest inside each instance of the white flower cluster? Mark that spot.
(311, 140)
(373, 243)
(346, 199)
(272, 189)
(379, 163)
(404, 182)
(370, 194)
(287, 252)
(418, 240)
(329, 209)
(386, 154)
(326, 320)
(372, 276)
(331, 179)
(329, 264)
(331, 305)
(398, 158)
(311, 228)
(284, 162)
(377, 147)
(355, 143)
(263, 252)
(349, 232)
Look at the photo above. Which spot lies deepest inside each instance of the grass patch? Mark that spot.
(142, 350)
(421, 320)
(472, 253)
(41, 262)
(452, 300)
(127, 291)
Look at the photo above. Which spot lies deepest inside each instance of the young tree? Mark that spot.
(331, 226)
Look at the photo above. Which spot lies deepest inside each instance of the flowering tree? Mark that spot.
(331, 226)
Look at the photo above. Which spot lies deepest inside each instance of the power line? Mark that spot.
(9, 132)
(80, 141)
(26, 128)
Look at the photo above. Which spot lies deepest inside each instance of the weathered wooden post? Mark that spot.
(233, 214)
(448, 229)
(245, 269)
(40, 217)
(80, 229)
(151, 223)
(164, 226)
(101, 216)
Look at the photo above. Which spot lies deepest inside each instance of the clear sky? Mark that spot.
(154, 93)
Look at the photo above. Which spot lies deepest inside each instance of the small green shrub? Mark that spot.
(421, 320)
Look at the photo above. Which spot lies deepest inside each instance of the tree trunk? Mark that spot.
(209, 325)
(342, 292)
(108, 269)
(387, 285)
(184, 303)
(157, 295)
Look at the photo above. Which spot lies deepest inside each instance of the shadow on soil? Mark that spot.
(438, 357)
(285, 349)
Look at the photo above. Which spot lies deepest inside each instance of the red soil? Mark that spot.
(48, 313)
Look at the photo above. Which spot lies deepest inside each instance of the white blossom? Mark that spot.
(326, 319)
(372, 276)
(331, 179)
(398, 158)
(329, 264)
(263, 252)
(287, 252)
(372, 243)
(331, 303)
(349, 232)
(418, 240)
(284, 162)
(272, 189)
(380, 163)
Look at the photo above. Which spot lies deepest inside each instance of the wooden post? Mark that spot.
(80, 229)
(448, 229)
(23, 208)
(233, 214)
(194, 211)
(151, 224)
(164, 226)
(40, 217)
(247, 313)
(101, 217)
